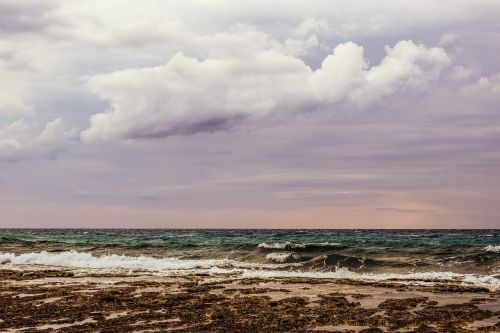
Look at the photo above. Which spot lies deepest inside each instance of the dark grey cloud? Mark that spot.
(210, 125)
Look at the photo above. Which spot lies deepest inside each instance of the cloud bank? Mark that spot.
(187, 95)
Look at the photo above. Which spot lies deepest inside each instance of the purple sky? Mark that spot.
(234, 114)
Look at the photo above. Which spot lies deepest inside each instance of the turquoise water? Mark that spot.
(174, 238)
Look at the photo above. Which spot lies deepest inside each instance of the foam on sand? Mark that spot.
(486, 281)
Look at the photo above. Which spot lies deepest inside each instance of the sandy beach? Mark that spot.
(42, 300)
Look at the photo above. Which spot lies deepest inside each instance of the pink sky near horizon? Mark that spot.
(85, 216)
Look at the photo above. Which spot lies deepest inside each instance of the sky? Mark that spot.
(250, 114)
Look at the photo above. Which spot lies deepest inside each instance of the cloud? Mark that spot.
(485, 84)
(406, 211)
(448, 39)
(316, 27)
(17, 140)
(406, 67)
(187, 95)
(350, 19)
(461, 74)
(26, 15)
(13, 99)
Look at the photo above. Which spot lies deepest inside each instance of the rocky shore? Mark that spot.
(93, 301)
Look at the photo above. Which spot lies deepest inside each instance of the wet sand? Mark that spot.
(93, 301)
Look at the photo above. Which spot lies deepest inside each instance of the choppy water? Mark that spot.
(377, 254)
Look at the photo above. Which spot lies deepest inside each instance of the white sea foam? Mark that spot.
(76, 259)
(83, 260)
(282, 257)
(486, 281)
(493, 248)
(290, 245)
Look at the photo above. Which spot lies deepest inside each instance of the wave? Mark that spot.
(84, 260)
(493, 248)
(74, 259)
(334, 260)
(297, 246)
(282, 257)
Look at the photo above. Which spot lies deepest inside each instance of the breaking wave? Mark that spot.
(74, 259)
(493, 248)
(84, 260)
(282, 257)
(297, 246)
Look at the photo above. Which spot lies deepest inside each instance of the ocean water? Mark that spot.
(469, 256)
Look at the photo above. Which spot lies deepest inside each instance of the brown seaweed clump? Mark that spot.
(64, 302)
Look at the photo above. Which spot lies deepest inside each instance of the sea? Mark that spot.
(471, 257)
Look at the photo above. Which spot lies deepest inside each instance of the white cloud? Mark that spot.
(406, 67)
(19, 140)
(187, 95)
(461, 73)
(11, 138)
(15, 93)
(340, 73)
(485, 84)
(13, 99)
(221, 69)
(311, 26)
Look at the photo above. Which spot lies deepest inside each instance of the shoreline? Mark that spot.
(69, 300)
